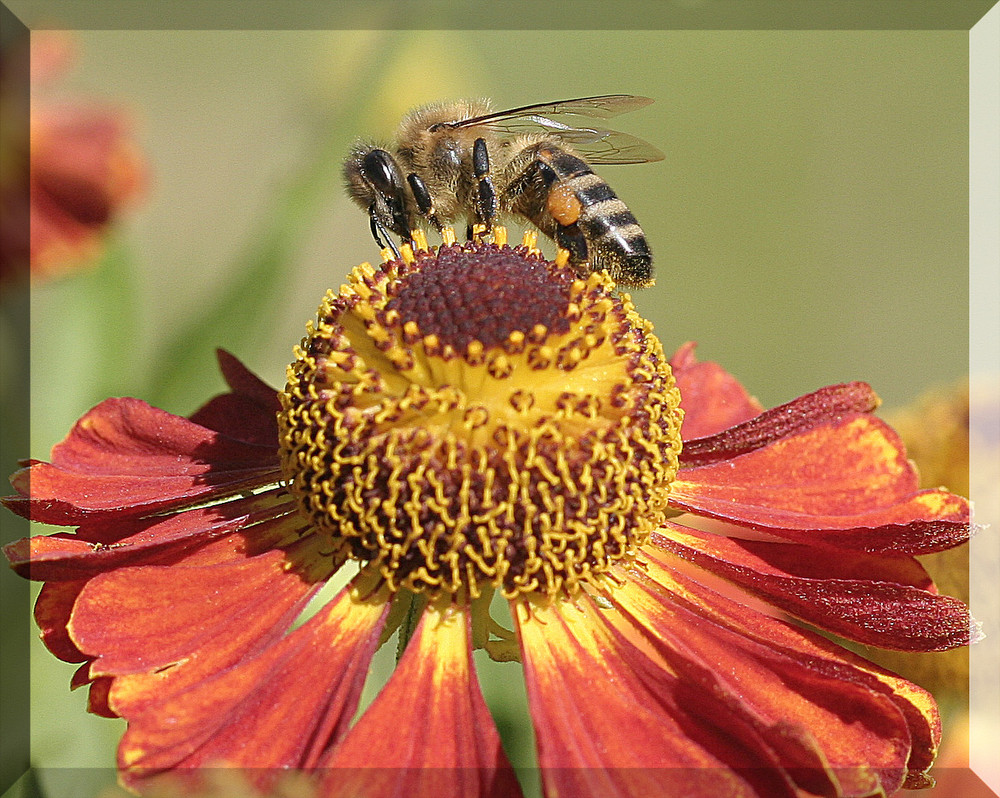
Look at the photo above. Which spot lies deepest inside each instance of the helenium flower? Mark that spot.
(475, 420)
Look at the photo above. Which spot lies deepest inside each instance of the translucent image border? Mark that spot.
(984, 265)
(984, 382)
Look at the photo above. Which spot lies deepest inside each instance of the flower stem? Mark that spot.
(408, 625)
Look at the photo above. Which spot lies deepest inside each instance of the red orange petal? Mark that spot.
(279, 709)
(850, 474)
(52, 611)
(240, 418)
(711, 398)
(97, 698)
(444, 739)
(263, 521)
(131, 541)
(611, 720)
(880, 601)
(248, 413)
(861, 715)
(244, 382)
(772, 425)
(143, 619)
(125, 457)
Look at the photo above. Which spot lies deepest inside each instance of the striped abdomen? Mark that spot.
(590, 220)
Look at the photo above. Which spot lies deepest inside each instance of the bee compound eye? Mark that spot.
(381, 169)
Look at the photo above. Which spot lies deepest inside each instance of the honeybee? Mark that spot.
(458, 161)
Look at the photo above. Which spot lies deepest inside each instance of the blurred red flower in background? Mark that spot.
(68, 172)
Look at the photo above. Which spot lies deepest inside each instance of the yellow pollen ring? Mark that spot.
(531, 465)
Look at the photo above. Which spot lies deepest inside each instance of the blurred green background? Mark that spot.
(809, 223)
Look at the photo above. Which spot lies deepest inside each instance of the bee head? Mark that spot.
(376, 183)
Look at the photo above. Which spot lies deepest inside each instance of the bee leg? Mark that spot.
(380, 234)
(486, 195)
(564, 208)
(425, 204)
(571, 238)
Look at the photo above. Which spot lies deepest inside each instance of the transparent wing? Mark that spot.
(603, 106)
(597, 144)
(606, 146)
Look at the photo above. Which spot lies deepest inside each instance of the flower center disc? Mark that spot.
(478, 416)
